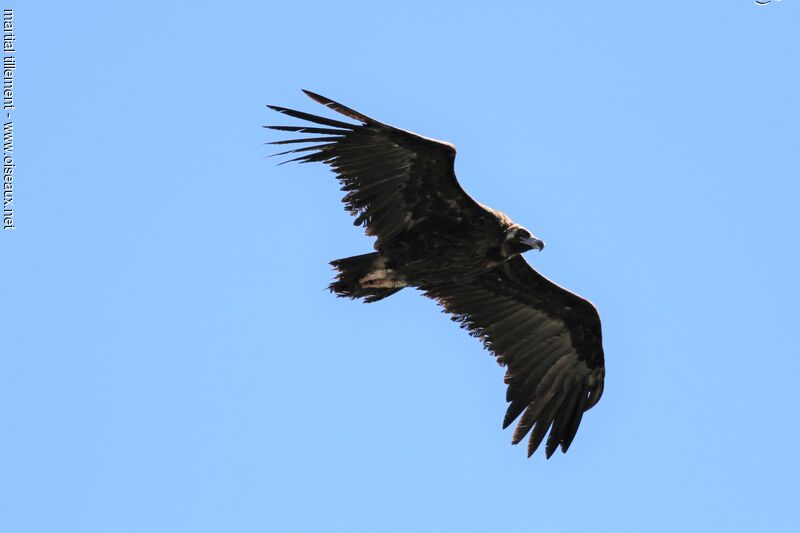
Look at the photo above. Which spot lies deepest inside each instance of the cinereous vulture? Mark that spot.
(432, 235)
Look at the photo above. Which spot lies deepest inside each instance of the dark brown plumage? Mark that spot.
(432, 235)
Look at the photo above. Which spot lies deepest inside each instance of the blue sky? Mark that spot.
(171, 361)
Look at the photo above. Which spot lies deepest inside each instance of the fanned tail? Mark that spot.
(353, 270)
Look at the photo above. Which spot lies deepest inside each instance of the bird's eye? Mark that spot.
(523, 234)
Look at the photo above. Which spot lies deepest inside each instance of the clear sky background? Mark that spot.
(171, 361)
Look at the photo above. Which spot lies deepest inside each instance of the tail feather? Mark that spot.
(351, 270)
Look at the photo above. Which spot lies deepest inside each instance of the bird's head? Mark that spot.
(519, 240)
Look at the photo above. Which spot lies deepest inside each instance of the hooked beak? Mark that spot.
(533, 242)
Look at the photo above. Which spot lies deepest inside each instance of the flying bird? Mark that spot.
(431, 235)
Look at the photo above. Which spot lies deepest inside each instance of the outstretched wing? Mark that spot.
(393, 179)
(548, 337)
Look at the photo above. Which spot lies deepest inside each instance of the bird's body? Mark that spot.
(433, 236)
(433, 251)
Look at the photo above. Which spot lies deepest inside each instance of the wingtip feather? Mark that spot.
(339, 108)
(314, 96)
(550, 449)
